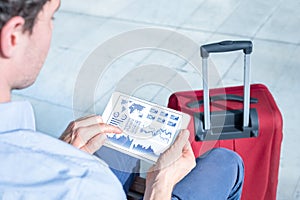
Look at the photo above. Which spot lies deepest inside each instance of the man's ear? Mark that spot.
(10, 35)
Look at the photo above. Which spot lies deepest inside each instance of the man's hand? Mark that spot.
(88, 134)
(172, 166)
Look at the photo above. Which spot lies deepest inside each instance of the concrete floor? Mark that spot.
(82, 26)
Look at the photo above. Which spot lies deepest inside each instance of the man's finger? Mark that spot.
(182, 138)
(84, 134)
(175, 151)
(87, 121)
(94, 144)
(177, 147)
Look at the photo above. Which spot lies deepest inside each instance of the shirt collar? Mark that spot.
(16, 116)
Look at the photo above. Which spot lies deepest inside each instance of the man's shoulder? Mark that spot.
(35, 159)
(43, 145)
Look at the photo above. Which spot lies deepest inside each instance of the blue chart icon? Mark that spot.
(124, 102)
(115, 121)
(164, 114)
(151, 117)
(173, 117)
(124, 117)
(153, 110)
(116, 114)
(160, 120)
(171, 124)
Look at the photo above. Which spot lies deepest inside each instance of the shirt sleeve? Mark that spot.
(39, 167)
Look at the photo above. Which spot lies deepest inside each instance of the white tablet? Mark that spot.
(148, 129)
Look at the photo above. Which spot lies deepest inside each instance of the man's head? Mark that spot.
(25, 35)
(28, 9)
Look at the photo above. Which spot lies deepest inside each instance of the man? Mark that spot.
(36, 166)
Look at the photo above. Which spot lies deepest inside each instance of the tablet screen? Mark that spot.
(148, 129)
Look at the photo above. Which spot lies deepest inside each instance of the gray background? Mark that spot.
(81, 26)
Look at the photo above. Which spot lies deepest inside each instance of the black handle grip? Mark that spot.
(225, 97)
(226, 46)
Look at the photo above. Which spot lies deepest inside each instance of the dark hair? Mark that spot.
(28, 9)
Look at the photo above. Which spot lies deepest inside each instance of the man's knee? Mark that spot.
(232, 164)
(224, 161)
(226, 156)
(218, 174)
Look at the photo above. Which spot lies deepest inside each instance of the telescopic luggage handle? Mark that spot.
(226, 46)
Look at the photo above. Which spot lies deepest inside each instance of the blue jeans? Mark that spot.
(219, 174)
(123, 166)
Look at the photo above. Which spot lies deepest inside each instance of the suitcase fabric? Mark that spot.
(260, 154)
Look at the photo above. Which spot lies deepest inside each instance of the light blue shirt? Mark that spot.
(36, 166)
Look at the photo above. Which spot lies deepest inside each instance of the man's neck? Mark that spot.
(5, 85)
(5, 93)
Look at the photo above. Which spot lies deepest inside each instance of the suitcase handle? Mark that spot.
(225, 97)
(226, 46)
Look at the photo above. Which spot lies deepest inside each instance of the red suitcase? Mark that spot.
(222, 121)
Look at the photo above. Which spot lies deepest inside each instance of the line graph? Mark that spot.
(163, 134)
